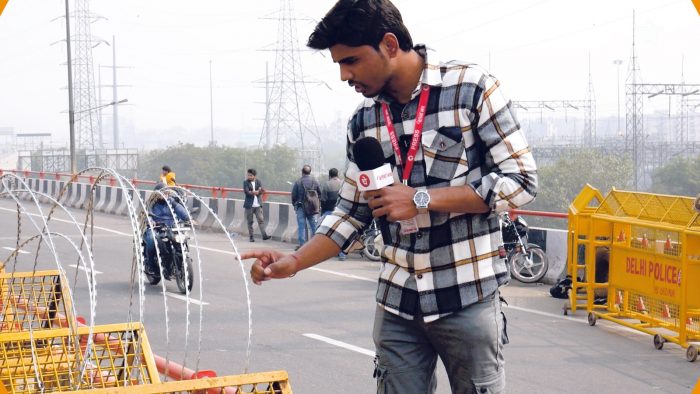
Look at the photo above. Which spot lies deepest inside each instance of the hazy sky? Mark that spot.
(538, 48)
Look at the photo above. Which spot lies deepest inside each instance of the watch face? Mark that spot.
(421, 199)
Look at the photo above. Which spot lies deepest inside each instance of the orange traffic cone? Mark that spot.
(666, 312)
(667, 244)
(621, 237)
(645, 241)
(640, 305)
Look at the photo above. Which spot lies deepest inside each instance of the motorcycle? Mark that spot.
(174, 255)
(527, 262)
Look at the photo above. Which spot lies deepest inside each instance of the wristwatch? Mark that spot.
(421, 199)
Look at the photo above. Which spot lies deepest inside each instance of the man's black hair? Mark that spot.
(333, 172)
(252, 172)
(306, 170)
(360, 22)
(167, 168)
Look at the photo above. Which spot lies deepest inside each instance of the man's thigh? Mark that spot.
(405, 361)
(470, 344)
(259, 214)
(249, 214)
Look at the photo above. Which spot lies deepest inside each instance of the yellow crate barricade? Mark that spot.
(54, 360)
(653, 245)
(34, 300)
(42, 347)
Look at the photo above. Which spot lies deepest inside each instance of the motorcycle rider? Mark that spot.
(161, 214)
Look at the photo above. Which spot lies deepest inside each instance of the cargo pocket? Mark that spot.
(494, 384)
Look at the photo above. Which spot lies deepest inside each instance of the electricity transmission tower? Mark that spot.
(87, 121)
(634, 105)
(289, 119)
(645, 158)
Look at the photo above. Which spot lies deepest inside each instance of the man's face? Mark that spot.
(251, 177)
(364, 68)
(165, 172)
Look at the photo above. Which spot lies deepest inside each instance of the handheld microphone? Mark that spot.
(374, 172)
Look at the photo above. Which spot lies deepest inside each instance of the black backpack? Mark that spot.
(561, 288)
(311, 201)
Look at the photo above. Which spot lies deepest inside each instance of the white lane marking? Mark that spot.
(343, 274)
(344, 345)
(109, 230)
(13, 249)
(574, 319)
(80, 267)
(546, 314)
(183, 298)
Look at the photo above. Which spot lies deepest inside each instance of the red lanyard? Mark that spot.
(417, 131)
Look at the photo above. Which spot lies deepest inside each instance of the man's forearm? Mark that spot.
(456, 199)
(318, 249)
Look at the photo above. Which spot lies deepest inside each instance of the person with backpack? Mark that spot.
(329, 196)
(306, 200)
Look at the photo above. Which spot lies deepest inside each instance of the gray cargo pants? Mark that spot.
(469, 343)
(256, 212)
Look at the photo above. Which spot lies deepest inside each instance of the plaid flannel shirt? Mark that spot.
(470, 137)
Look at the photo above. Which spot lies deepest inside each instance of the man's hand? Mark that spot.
(395, 201)
(270, 264)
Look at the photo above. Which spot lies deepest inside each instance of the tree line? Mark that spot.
(559, 182)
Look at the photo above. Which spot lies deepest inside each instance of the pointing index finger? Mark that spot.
(255, 254)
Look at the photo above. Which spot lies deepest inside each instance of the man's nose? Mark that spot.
(345, 74)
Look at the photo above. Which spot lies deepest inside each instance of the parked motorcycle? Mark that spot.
(527, 262)
(172, 243)
(370, 249)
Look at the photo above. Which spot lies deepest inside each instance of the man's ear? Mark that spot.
(391, 44)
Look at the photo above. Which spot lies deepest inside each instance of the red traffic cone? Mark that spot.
(645, 241)
(667, 244)
(621, 237)
(666, 312)
(640, 305)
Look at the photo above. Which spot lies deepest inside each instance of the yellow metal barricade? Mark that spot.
(37, 300)
(276, 382)
(56, 360)
(652, 245)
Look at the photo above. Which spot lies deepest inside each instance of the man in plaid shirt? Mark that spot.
(438, 287)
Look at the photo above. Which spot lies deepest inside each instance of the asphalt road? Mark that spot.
(317, 325)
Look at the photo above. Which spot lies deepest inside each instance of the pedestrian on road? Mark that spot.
(459, 158)
(252, 187)
(329, 196)
(306, 200)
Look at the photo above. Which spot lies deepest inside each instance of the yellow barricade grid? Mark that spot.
(119, 356)
(33, 300)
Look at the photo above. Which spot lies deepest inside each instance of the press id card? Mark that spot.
(409, 226)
